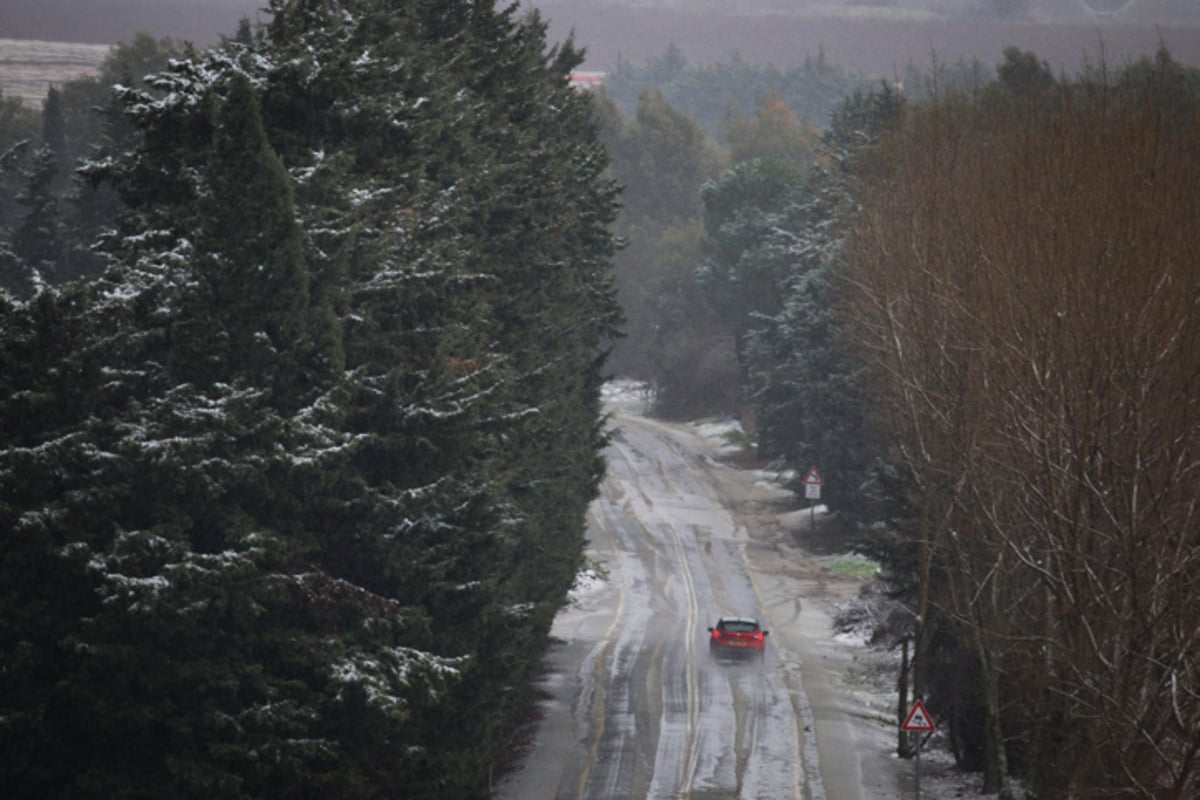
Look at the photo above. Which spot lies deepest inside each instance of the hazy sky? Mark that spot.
(110, 21)
(852, 33)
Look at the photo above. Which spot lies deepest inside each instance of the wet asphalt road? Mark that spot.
(637, 706)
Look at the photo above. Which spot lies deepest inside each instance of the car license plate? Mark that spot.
(737, 643)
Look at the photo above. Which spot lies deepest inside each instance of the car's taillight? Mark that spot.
(716, 634)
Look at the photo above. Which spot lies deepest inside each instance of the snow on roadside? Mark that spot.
(721, 430)
(588, 581)
(630, 397)
(940, 777)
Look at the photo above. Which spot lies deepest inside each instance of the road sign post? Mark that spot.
(918, 721)
(812, 491)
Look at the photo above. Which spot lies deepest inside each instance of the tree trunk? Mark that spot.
(995, 754)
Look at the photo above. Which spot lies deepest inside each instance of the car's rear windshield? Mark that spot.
(738, 627)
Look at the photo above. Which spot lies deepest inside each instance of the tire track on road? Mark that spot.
(656, 509)
(611, 695)
(676, 751)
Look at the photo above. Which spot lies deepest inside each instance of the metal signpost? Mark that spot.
(812, 491)
(918, 721)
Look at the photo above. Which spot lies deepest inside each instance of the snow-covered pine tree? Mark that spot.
(804, 372)
(246, 316)
(744, 270)
(467, 188)
(319, 486)
(545, 238)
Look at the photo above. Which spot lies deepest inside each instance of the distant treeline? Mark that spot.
(881, 42)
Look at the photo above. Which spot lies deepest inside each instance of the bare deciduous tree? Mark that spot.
(1028, 290)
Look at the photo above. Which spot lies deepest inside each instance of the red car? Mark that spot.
(733, 635)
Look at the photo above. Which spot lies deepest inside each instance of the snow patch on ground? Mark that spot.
(588, 581)
(628, 396)
(855, 638)
(791, 520)
(721, 430)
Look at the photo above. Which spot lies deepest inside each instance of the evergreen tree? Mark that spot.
(54, 135)
(772, 272)
(37, 240)
(14, 277)
(743, 273)
(313, 456)
(247, 316)
(806, 371)
(18, 138)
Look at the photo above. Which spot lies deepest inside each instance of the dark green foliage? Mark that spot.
(19, 128)
(744, 270)
(857, 126)
(293, 492)
(247, 315)
(692, 355)
(37, 239)
(806, 373)
(771, 274)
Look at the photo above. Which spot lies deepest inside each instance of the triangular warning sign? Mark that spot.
(918, 719)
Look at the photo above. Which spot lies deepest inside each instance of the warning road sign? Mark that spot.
(918, 719)
(813, 478)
